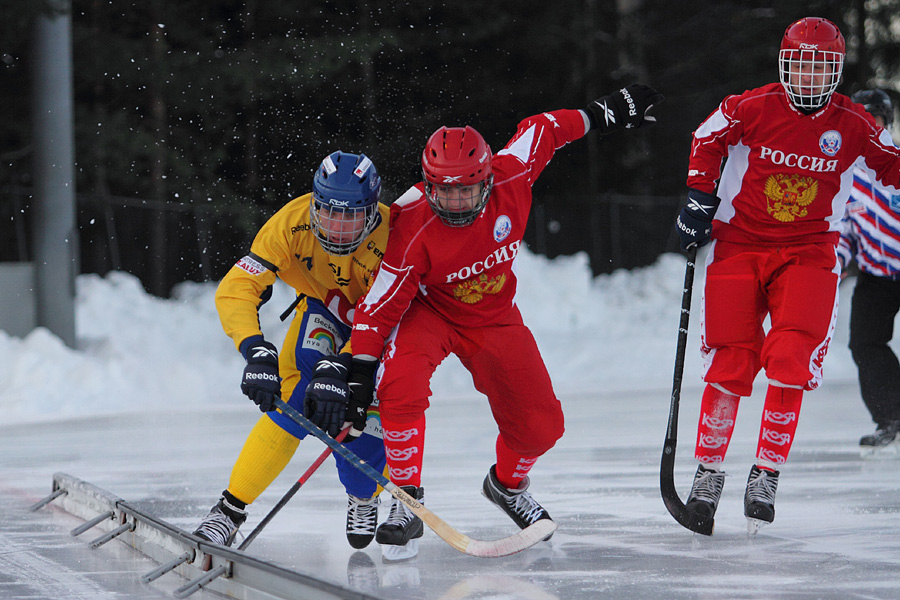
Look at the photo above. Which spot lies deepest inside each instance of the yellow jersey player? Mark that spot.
(326, 245)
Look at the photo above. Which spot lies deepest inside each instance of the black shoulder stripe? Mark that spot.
(264, 262)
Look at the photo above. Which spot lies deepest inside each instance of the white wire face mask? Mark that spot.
(810, 76)
(341, 230)
(458, 205)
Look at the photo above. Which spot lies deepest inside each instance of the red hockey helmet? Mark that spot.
(811, 61)
(456, 166)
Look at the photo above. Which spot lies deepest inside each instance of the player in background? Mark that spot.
(447, 285)
(326, 245)
(791, 148)
(871, 236)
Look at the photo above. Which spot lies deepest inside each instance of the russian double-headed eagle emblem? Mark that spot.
(789, 195)
(473, 290)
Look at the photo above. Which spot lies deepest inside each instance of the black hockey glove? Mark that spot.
(626, 108)
(327, 394)
(694, 222)
(261, 382)
(362, 392)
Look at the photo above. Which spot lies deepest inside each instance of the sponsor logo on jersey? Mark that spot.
(523, 467)
(712, 441)
(252, 266)
(789, 196)
(400, 436)
(766, 454)
(717, 423)
(321, 335)
(364, 327)
(830, 142)
(799, 161)
(502, 228)
(338, 305)
(403, 474)
(779, 418)
(301, 227)
(774, 437)
(375, 250)
(498, 256)
(401, 454)
(373, 425)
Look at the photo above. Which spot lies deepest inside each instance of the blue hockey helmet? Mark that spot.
(344, 205)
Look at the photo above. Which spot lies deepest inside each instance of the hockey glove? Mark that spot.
(626, 108)
(362, 392)
(327, 394)
(694, 222)
(261, 382)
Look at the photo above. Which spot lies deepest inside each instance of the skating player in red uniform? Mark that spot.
(447, 285)
(774, 220)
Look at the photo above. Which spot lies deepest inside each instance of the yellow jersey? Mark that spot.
(286, 248)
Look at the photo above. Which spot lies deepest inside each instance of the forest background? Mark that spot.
(196, 120)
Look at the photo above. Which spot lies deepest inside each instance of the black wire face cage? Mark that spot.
(824, 69)
(340, 230)
(458, 205)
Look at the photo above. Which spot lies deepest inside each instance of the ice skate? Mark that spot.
(705, 492)
(399, 534)
(759, 499)
(362, 518)
(884, 443)
(517, 504)
(221, 524)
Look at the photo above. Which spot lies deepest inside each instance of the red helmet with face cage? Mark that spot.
(457, 158)
(812, 54)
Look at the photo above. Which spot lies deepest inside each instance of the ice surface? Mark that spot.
(148, 408)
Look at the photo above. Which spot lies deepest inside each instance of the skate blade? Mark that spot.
(754, 525)
(887, 452)
(392, 554)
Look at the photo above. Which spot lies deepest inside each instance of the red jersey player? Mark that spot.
(791, 148)
(447, 284)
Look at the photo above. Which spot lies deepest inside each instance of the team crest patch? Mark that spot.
(474, 290)
(254, 267)
(789, 196)
(502, 227)
(830, 142)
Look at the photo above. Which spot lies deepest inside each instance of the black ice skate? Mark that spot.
(705, 492)
(221, 524)
(885, 442)
(399, 533)
(362, 517)
(759, 499)
(517, 503)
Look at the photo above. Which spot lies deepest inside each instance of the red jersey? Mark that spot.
(788, 175)
(465, 274)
